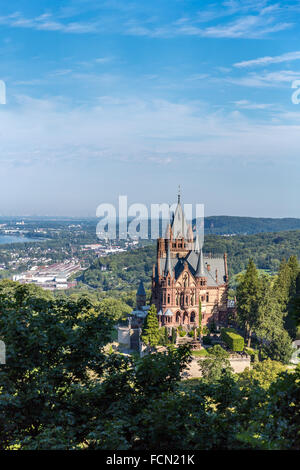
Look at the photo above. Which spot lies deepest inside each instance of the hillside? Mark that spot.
(123, 271)
(248, 225)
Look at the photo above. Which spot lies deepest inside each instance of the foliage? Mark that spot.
(279, 348)
(263, 304)
(275, 425)
(115, 308)
(248, 296)
(234, 341)
(253, 353)
(52, 347)
(216, 364)
(59, 390)
(200, 352)
(266, 249)
(150, 332)
(205, 330)
(206, 340)
(164, 339)
(174, 335)
(181, 331)
(261, 373)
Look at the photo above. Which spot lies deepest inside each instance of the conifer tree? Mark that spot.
(282, 284)
(174, 334)
(285, 291)
(150, 331)
(248, 296)
(296, 302)
(293, 264)
(270, 332)
(166, 336)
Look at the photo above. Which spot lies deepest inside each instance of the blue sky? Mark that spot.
(119, 97)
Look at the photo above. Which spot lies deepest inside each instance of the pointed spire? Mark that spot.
(197, 244)
(190, 233)
(200, 265)
(141, 289)
(168, 267)
(179, 224)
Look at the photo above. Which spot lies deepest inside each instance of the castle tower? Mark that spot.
(140, 296)
(183, 276)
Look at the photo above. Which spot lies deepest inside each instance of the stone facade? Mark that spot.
(183, 276)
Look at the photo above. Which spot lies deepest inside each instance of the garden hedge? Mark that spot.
(234, 341)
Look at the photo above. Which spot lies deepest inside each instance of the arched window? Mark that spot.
(193, 316)
(177, 317)
(168, 299)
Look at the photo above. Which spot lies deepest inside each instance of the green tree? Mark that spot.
(150, 331)
(53, 346)
(215, 364)
(282, 284)
(174, 335)
(274, 424)
(114, 308)
(279, 346)
(296, 302)
(262, 374)
(248, 297)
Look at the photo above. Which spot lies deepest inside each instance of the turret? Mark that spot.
(168, 266)
(140, 296)
(200, 266)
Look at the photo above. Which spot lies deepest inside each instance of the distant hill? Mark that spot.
(124, 270)
(223, 224)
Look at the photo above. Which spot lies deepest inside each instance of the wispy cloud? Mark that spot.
(267, 60)
(47, 22)
(245, 104)
(252, 26)
(61, 132)
(234, 19)
(266, 79)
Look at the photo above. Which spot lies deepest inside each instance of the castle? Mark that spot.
(183, 277)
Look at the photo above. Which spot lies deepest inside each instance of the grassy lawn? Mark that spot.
(200, 352)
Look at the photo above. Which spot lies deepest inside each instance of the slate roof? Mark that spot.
(168, 267)
(168, 313)
(192, 258)
(200, 265)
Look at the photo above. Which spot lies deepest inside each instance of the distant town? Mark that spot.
(52, 253)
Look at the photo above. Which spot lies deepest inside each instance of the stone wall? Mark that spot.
(124, 336)
(129, 337)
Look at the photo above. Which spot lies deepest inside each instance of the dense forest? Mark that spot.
(122, 271)
(62, 389)
(248, 225)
